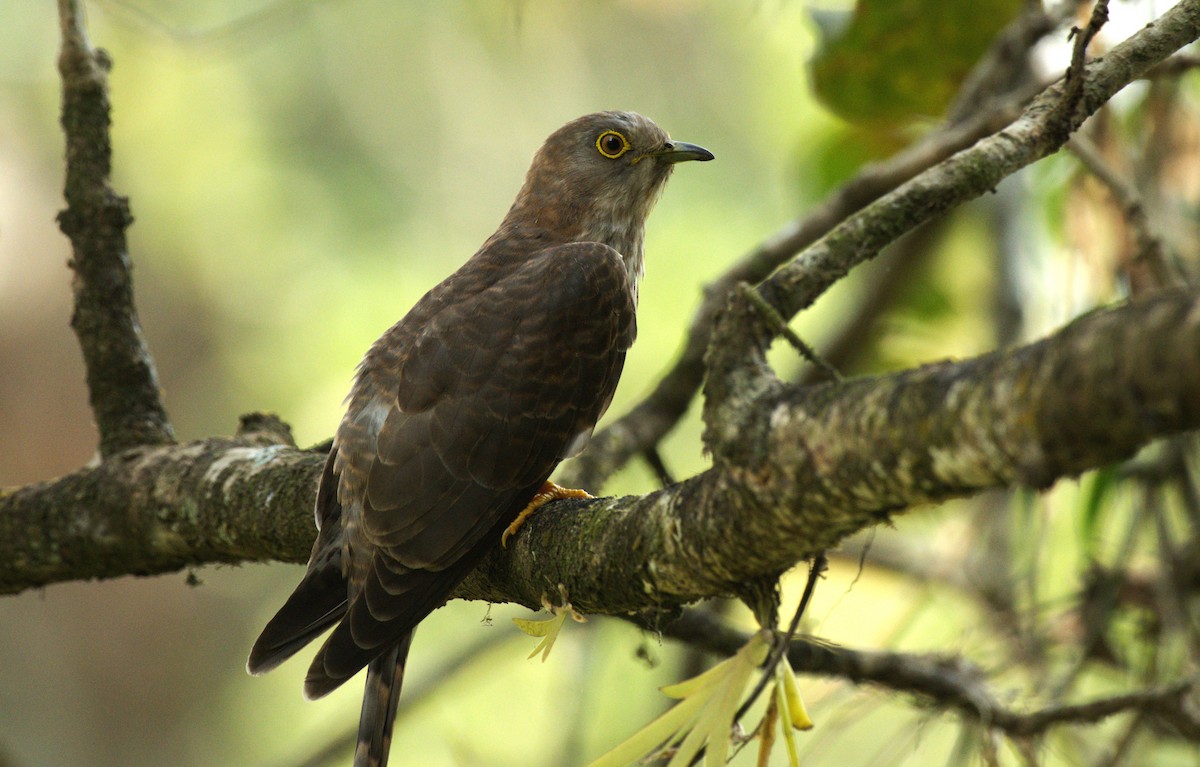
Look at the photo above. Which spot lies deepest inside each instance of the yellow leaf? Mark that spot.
(755, 651)
(789, 737)
(547, 629)
(536, 627)
(663, 729)
(704, 716)
(797, 710)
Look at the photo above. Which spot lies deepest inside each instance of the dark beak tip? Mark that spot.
(682, 151)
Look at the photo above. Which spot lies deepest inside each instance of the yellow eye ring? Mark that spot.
(612, 144)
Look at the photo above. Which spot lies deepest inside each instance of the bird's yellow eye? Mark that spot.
(612, 144)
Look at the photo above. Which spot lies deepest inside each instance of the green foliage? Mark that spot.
(901, 59)
(1093, 501)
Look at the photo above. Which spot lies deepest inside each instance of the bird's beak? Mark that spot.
(681, 151)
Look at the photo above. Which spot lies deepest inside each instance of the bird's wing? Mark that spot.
(494, 389)
(319, 600)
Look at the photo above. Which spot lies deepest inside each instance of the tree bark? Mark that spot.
(814, 465)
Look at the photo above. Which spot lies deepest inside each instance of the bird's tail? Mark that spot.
(385, 675)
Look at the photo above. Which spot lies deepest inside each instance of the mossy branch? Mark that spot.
(122, 383)
(815, 464)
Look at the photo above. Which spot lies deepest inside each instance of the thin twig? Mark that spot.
(655, 461)
(1067, 112)
(780, 327)
(1006, 61)
(819, 565)
(854, 336)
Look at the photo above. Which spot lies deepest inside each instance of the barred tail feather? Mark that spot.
(385, 675)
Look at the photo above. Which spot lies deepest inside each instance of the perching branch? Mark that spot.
(805, 466)
(162, 508)
(816, 464)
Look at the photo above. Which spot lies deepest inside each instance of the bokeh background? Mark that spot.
(301, 172)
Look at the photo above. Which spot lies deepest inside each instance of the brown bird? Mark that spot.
(460, 411)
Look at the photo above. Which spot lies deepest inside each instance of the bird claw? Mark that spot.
(549, 492)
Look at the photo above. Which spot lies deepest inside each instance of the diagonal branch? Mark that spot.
(736, 350)
(970, 120)
(122, 383)
(1037, 133)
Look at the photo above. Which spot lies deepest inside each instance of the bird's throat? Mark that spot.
(626, 238)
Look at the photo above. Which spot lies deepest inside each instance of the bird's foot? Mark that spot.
(549, 492)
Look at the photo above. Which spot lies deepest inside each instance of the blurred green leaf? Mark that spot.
(1099, 488)
(900, 59)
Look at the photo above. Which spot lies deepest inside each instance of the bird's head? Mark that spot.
(596, 179)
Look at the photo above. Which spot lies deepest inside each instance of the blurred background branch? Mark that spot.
(945, 681)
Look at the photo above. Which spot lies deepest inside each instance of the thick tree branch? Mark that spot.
(122, 383)
(154, 510)
(816, 464)
(807, 466)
